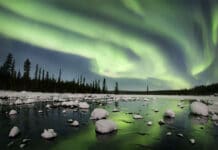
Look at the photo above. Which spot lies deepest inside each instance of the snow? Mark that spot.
(99, 113)
(199, 108)
(14, 132)
(49, 134)
(12, 112)
(169, 113)
(137, 116)
(83, 105)
(105, 126)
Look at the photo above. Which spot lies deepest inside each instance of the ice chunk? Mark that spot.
(199, 108)
(105, 126)
(99, 113)
(14, 132)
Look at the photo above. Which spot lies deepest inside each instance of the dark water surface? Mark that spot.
(131, 134)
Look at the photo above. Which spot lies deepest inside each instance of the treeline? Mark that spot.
(198, 90)
(44, 81)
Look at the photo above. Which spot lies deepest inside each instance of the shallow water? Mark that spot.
(131, 134)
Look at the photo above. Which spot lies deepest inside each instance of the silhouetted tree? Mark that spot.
(26, 74)
(116, 90)
(104, 86)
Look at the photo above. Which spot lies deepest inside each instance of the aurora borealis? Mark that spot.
(167, 43)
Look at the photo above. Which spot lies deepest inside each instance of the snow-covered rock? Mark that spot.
(49, 134)
(83, 105)
(192, 141)
(12, 112)
(214, 117)
(161, 122)
(40, 111)
(75, 123)
(99, 113)
(136, 116)
(149, 123)
(18, 102)
(105, 126)
(169, 133)
(14, 132)
(115, 110)
(199, 108)
(169, 113)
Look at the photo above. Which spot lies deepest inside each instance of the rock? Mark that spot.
(180, 135)
(13, 112)
(49, 134)
(214, 117)
(22, 145)
(156, 110)
(105, 126)
(115, 110)
(75, 123)
(137, 116)
(70, 120)
(192, 141)
(40, 111)
(161, 122)
(99, 113)
(48, 106)
(169, 133)
(169, 113)
(18, 102)
(199, 108)
(64, 111)
(83, 105)
(14, 132)
(10, 143)
(149, 123)
(26, 140)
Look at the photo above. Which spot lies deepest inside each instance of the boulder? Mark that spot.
(199, 108)
(99, 113)
(105, 126)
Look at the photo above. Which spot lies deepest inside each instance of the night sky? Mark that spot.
(168, 44)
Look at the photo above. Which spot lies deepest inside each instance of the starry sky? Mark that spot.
(167, 44)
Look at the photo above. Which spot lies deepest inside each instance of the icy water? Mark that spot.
(132, 134)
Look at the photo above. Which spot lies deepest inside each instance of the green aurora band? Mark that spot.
(77, 27)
